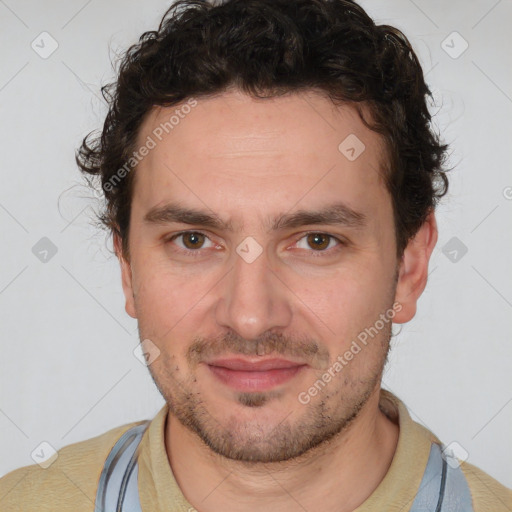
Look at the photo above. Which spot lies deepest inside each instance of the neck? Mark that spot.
(338, 475)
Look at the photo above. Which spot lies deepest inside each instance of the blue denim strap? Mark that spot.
(444, 487)
(117, 488)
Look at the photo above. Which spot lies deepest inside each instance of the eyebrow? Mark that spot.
(333, 214)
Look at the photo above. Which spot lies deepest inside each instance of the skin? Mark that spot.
(248, 160)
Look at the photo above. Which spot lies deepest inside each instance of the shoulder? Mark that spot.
(488, 494)
(69, 483)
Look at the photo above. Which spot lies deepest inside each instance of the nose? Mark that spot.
(253, 299)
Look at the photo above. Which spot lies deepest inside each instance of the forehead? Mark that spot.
(259, 154)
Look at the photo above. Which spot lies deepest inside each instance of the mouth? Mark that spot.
(254, 375)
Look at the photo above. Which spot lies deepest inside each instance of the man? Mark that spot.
(270, 176)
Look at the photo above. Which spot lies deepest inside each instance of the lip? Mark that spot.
(254, 375)
(255, 365)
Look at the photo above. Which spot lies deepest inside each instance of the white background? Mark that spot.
(68, 371)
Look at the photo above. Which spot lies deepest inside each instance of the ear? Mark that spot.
(126, 277)
(413, 269)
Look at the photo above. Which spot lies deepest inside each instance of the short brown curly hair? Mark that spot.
(266, 48)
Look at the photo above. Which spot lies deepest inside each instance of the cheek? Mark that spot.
(164, 300)
(347, 304)
(353, 291)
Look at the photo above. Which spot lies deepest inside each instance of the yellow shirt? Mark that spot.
(70, 482)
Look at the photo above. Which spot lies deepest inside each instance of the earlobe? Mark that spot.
(126, 277)
(413, 269)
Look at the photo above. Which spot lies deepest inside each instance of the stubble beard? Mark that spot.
(299, 432)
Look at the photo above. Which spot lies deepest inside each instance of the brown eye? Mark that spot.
(318, 241)
(193, 240)
(190, 243)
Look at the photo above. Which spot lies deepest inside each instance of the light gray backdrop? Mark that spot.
(68, 371)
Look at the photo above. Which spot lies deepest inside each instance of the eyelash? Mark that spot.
(198, 252)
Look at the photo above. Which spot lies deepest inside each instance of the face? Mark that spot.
(261, 251)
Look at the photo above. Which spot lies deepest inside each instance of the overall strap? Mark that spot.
(117, 488)
(444, 487)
